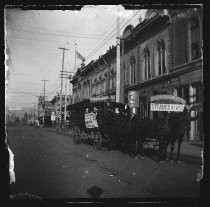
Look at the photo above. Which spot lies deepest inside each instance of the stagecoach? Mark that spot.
(88, 120)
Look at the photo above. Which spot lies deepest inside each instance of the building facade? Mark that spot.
(186, 41)
(98, 78)
(56, 105)
(161, 55)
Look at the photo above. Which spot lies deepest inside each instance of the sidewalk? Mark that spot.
(190, 150)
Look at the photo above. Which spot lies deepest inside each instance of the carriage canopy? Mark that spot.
(167, 102)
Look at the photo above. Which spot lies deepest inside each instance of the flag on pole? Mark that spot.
(79, 56)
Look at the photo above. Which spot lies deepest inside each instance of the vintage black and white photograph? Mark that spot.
(103, 102)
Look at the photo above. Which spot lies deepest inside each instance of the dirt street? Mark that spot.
(49, 165)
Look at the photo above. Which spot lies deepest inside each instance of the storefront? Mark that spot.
(190, 87)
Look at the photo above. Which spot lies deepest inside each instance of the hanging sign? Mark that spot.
(133, 98)
(166, 107)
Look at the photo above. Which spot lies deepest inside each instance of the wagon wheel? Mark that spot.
(97, 140)
(76, 134)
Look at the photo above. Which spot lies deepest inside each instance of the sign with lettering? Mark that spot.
(133, 98)
(166, 107)
(90, 120)
(53, 117)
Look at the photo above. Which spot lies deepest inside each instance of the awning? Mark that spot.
(197, 107)
(97, 99)
(165, 98)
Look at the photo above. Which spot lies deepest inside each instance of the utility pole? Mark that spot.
(44, 101)
(118, 79)
(34, 111)
(65, 101)
(65, 74)
(64, 49)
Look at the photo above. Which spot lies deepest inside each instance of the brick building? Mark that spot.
(161, 55)
(186, 38)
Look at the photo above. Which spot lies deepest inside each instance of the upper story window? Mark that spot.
(133, 69)
(161, 55)
(126, 74)
(147, 63)
(194, 38)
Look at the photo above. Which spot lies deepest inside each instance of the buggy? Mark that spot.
(90, 122)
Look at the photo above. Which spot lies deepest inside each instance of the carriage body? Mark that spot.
(90, 122)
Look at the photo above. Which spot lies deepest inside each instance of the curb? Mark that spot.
(188, 158)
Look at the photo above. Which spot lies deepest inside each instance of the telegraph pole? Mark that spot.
(44, 101)
(34, 111)
(64, 49)
(118, 79)
(65, 74)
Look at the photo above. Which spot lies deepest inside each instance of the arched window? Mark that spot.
(161, 55)
(194, 38)
(133, 69)
(147, 65)
(126, 78)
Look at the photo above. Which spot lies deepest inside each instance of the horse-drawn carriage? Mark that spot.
(167, 129)
(91, 120)
(97, 119)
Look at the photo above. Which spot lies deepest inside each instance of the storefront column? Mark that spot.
(192, 114)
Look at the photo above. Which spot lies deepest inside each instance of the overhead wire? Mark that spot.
(112, 35)
(54, 34)
(56, 31)
(54, 90)
(100, 46)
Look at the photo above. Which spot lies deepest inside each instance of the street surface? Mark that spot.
(49, 165)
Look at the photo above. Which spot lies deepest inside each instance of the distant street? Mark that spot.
(49, 165)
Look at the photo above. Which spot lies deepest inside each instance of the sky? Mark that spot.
(34, 37)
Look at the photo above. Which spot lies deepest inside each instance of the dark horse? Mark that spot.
(167, 131)
(179, 122)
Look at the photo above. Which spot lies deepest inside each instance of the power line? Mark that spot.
(54, 34)
(54, 90)
(55, 31)
(27, 59)
(46, 40)
(105, 41)
(19, 92)
(99, 47)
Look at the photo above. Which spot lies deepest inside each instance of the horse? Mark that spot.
(167, 130)
(178, 124)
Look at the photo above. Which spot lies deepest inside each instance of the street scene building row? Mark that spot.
(161, 55)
